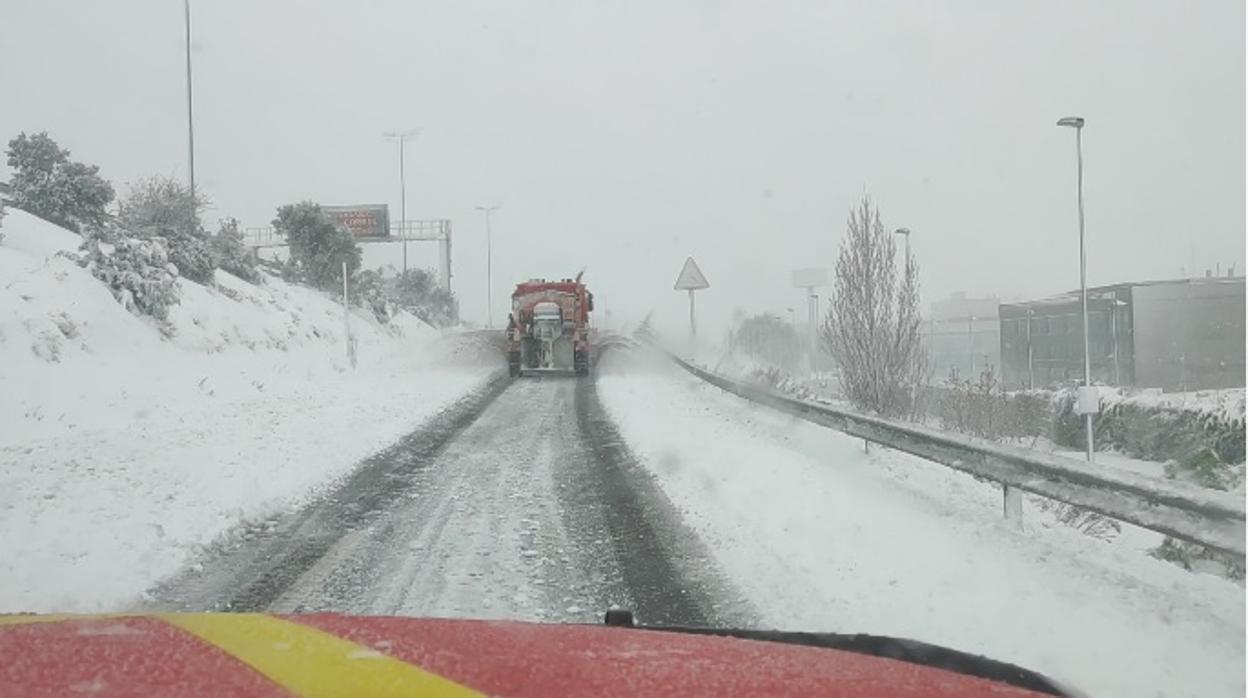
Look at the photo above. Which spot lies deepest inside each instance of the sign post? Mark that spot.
(810, 279)
(691, 279)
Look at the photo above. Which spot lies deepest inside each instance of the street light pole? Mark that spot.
(970, 341)
(1076, 122)
(190, 108)
(1031, 374)
(489, 263)
(906, 233)
(402, 137)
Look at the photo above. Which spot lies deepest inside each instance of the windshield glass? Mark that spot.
(920, 320)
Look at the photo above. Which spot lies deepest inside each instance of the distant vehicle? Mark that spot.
(548, 329)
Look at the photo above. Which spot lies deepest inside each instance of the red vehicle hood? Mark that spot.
(327, 654)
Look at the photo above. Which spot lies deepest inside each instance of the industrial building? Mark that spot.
(1176, 335)
(962, 334)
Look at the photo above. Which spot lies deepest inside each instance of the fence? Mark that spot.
(1211, 518)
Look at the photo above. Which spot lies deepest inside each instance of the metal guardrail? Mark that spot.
(1186, 512)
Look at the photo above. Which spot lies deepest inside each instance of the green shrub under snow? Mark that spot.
(1151, 429)
(46, 183)
(982, 408)
(164, 208)
(417, 291)
(233, 255)
(319, 247)
(136, 271)
(368, 290)
(1193, 557)
(1206, 469)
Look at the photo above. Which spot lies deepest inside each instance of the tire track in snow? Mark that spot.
(520, 502)
(252, 568)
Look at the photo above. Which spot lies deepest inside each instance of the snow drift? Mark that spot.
(123, 449)
(821, 536)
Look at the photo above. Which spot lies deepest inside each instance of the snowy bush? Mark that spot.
(137, 271)
(1, 219)
(769, 339)
(233, 255)
(192, 257)
(318, 246)
(368, 289)
(982, 408)
(48, 184)
(1088, 522)
(418, 292)
(1193, 557)
(1152, 429)
(1206, 469)
(164, 208)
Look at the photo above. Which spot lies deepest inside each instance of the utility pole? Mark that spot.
(1031, 374)
(346, 317)
(190, 107)
(970, 341)
(489, 263)
(905, 232)
(1113, 319)
(1076, 122)
(401, 136)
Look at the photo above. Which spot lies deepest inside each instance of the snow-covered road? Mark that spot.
(554, 499)
(820, 536)
(527, 512)
(484, 532)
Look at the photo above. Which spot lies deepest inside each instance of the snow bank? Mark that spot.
(123, 451)
(819, 535)
(1226, 404)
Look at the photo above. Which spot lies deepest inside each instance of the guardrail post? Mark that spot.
(1013, 505)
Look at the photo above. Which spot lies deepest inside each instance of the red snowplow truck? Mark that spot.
(548, 329)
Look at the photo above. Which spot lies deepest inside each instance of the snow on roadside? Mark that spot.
(1225, 405)
(820, 536)
(122, 452)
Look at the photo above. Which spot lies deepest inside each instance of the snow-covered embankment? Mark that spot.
(819, 535)
(123, 451)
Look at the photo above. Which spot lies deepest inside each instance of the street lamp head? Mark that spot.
(489, 209)
(902, 231)
(1071, 121)
(404, 133)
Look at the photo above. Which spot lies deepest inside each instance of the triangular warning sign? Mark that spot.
(691, 278)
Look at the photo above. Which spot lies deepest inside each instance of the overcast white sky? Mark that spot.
(624, 136)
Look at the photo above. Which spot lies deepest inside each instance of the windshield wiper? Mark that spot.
(903, 650)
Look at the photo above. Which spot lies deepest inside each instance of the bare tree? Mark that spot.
(910, 356)
(872, 327)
